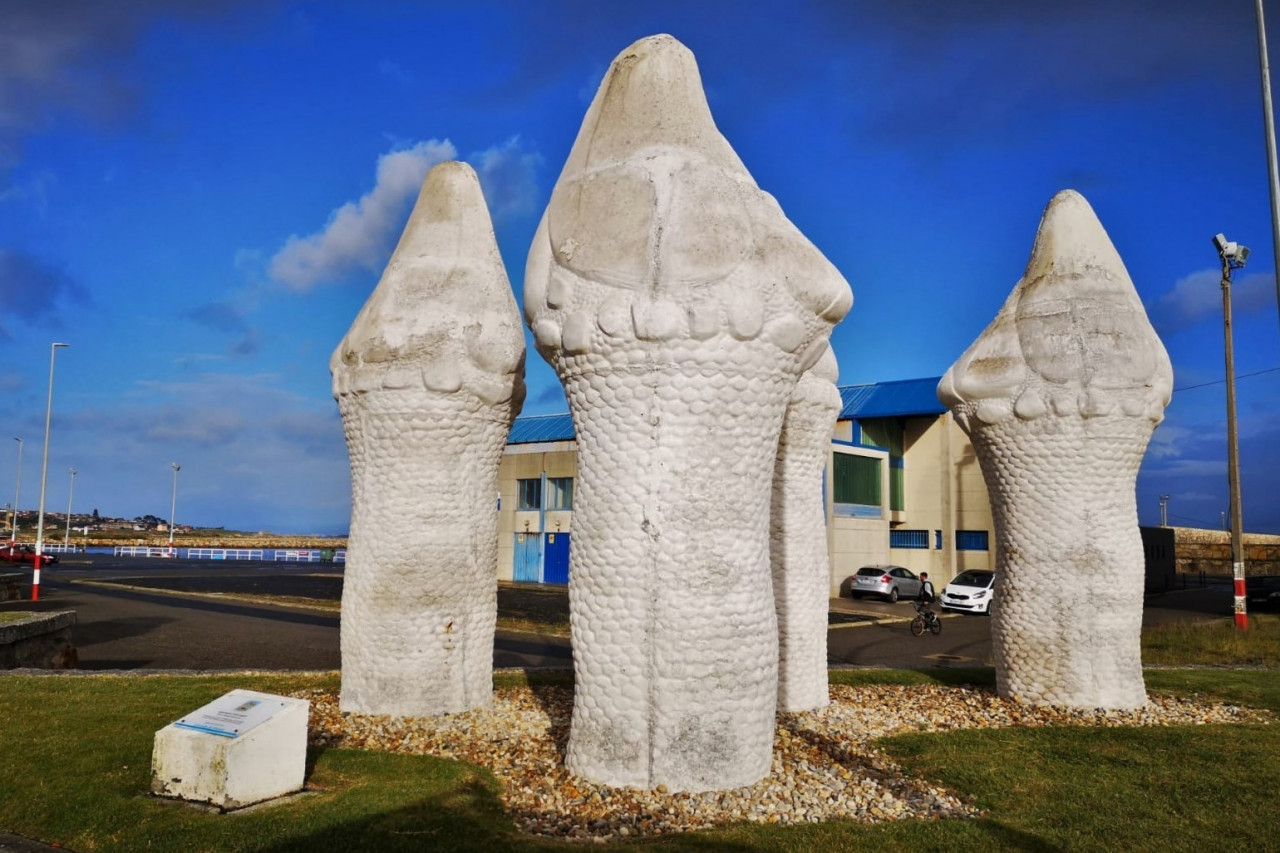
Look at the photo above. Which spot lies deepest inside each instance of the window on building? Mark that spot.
(971, 540)
(529, 493)
(559, 493)
(890, 434)
(909, 539)
(857, 480)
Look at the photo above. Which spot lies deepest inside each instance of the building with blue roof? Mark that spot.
(902, 487)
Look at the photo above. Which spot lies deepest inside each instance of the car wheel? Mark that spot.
(893, 595)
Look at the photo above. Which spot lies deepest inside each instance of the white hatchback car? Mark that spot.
(970, 592)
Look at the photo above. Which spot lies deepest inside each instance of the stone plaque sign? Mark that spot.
(233, 714)
(242, 748)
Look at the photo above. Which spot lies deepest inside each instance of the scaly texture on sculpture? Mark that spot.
(798, 533)
(678, 306)
(428, 380)
(1060, 396)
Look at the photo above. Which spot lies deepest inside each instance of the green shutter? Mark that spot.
(857, 480)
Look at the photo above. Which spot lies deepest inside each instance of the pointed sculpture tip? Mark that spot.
(657, 45)
(1071, 241)
(451, 188)
(1070, 210)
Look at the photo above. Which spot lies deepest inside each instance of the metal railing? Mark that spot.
(309, 555)
(225, 554)
(61, 548)
(144, 551)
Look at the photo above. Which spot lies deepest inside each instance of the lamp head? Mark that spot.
(1230, 252)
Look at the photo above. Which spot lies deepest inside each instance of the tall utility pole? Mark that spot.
(1268, 119)
(44, 477)
(1164, 510)
(1233, 256)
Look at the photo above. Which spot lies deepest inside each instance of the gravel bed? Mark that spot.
(824, 764)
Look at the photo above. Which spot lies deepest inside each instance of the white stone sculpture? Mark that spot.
(1060, 395)
(798, 533)
(679, 306)
(428, 380)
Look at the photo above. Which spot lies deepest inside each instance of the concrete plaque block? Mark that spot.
(242, 748)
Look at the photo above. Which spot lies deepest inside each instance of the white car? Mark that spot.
(970, 592)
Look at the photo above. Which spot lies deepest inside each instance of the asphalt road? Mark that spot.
(120, 628)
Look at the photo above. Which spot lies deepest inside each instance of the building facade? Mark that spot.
(902, 487)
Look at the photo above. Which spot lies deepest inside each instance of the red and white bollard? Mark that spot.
(1241, 597)
(35, 580)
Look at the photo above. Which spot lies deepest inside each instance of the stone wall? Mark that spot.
(1209, 551)
(11, 586)
(39, 641)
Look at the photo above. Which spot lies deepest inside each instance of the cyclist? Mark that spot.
(926, 595)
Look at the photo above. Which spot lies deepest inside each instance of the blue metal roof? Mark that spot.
(537, 428)
(901, 399)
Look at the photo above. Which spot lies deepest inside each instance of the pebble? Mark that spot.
(825, 763)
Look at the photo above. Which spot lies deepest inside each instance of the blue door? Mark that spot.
(528, 557)
(557, 567)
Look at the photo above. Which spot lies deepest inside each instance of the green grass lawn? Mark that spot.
(75, 766)
(1215, 643)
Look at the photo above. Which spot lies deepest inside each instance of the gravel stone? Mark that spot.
(825, 764)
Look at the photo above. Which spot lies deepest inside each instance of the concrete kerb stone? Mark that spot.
(41, 639)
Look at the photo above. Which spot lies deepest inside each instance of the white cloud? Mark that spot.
(1198, 296)
(1167, 441)
(360, 234)
(507, 175)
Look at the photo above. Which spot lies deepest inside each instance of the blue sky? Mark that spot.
(199, 197)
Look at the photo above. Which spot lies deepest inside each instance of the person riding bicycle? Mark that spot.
(926, 595)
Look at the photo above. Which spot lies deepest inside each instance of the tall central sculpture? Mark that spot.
(678, 306)
(1060, 395)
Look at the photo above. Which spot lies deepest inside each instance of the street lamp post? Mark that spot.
(1233, 257)
(16, 490)
(71, 490)
(173, 506)
(1269, 126)
(44, 477)
(1164, 510)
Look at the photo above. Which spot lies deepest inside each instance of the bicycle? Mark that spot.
(925, 618)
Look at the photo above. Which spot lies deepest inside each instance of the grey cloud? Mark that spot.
(73, 58)
(248, 345)
(33, 290)
(219, 316)
(229, 319)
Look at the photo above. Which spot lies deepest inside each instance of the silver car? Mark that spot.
(888, 582)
